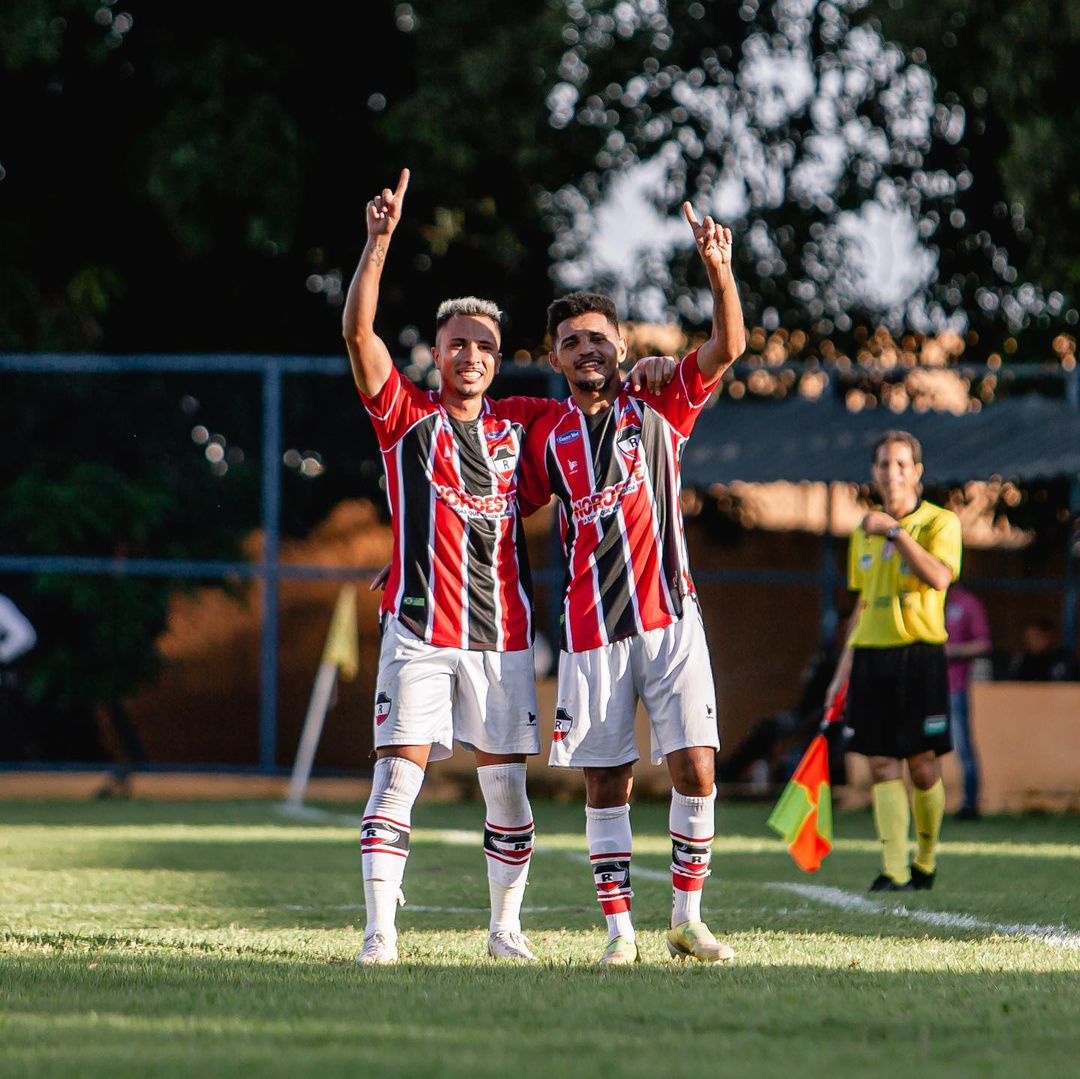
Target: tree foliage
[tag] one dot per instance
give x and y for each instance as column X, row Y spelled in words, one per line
column 810, row 131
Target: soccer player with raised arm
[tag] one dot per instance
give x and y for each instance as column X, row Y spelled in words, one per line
column 901, row 561
column 631, row 623
column 456, row 662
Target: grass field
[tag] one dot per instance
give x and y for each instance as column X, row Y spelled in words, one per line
column 150, row 938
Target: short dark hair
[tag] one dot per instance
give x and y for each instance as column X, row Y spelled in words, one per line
column 906, row 438
column 579, row 303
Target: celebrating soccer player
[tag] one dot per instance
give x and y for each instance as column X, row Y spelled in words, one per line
column 901, row 561
column 631, row 623
column 456, row 662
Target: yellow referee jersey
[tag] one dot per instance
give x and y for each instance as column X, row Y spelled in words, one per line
column 897, row 607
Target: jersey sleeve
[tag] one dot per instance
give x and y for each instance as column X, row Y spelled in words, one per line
column 534, row 484
column 946, row 541
column 529, row 410
column 395, row 408
column 680, row 402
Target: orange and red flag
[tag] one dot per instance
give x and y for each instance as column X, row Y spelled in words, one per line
column 803, row 815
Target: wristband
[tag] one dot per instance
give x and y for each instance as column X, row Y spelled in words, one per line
column 892, row 533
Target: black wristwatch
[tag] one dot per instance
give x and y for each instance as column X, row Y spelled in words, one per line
column 892, row 533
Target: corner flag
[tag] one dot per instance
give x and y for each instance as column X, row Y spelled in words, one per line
column 342, row 649
column 341, row 654
column 803, row 815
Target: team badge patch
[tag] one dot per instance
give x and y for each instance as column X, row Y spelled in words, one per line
column 502, row 449
column 382, row 707
column 564, row 723
column 628, row 439
column 504, row 460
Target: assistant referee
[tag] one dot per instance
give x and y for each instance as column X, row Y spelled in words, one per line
column 901, row 562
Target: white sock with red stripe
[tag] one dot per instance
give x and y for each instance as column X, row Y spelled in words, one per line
column 691, row 823
column 610, row 844
column 508, row 841
column 384, row 839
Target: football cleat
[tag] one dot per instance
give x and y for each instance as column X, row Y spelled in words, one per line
column 378, row 951
column 884, row 883
column 620, row 952
column 506, row 944
column 693, row 940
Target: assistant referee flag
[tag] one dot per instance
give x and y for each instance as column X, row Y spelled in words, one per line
column 803, row 815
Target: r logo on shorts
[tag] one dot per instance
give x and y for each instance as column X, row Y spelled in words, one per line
column 564, row 722
column 382, row 707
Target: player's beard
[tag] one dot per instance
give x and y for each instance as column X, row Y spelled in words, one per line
column 594, row 380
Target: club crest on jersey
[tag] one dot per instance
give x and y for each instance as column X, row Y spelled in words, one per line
column 502, row 449
column 564, row 723
column 382, row 707
column 504, row 460
column 628, row 439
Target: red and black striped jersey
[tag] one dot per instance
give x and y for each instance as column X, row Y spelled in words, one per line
column 459, row 576
column 617, row 477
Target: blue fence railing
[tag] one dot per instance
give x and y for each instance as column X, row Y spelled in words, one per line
column 269, row 571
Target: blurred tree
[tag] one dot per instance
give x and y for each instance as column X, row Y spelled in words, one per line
column 105, row 466
column 1008, row 67
column 804, row 126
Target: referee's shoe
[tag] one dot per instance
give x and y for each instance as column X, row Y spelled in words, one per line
column 921, row 881
column 885, row 883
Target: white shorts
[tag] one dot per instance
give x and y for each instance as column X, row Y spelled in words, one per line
column 431, row 695
column 668, row 669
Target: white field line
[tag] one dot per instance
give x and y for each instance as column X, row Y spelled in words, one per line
column 1057, row 936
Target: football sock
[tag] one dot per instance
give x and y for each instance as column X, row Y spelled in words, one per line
column 384, row 839
column 610, row 842
column 929, row 806
column 691, row 825
column 508, row 841
column 892, row 818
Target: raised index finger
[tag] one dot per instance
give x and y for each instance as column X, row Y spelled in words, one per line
column 402, row 184
column 688, row 210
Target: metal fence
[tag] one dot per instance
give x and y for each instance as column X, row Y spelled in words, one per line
column 270, row 572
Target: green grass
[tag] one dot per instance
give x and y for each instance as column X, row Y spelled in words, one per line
column 218, row 939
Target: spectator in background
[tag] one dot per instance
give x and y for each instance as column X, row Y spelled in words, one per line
column 17, row 637
column 969, row 640
column 1042, row 659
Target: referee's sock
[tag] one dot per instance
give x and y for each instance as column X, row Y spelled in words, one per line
column 892, row 818
column 929, row 806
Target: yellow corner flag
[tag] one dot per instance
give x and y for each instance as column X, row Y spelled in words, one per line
column 342, row 649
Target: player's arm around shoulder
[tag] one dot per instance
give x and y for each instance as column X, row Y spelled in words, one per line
column 368, row 354
column 533, row 481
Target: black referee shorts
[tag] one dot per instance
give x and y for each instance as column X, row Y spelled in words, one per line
column 898, row 701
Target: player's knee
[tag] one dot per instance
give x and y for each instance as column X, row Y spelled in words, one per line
column 925, row 771
column 607, row 788
column 693, row 771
